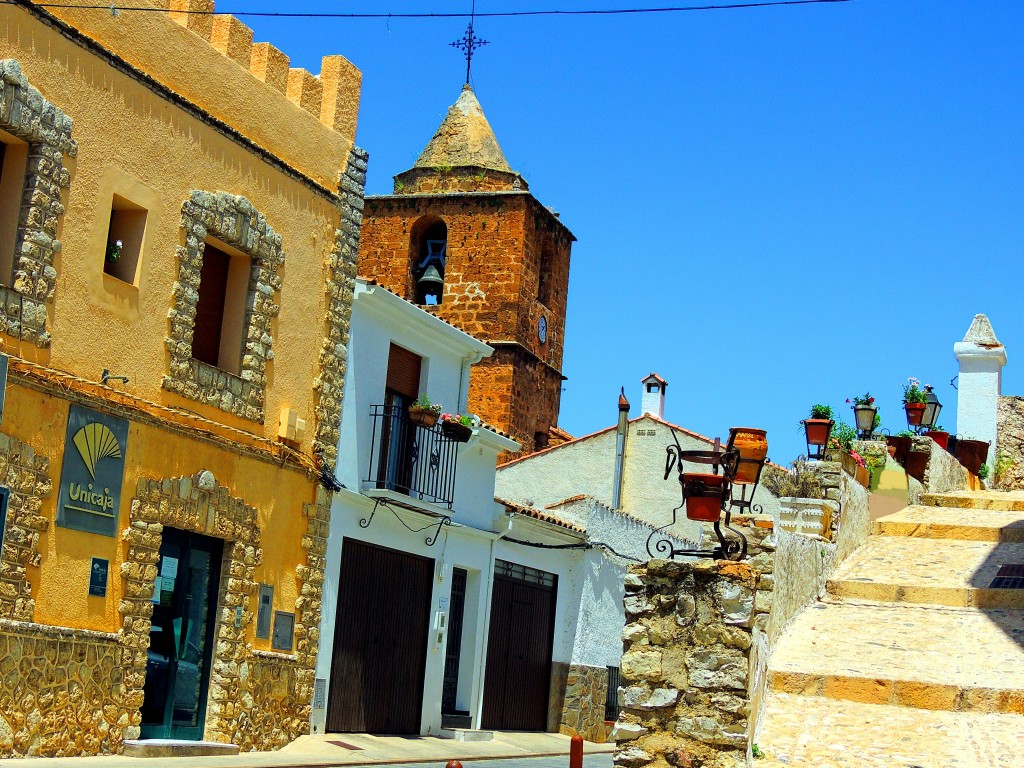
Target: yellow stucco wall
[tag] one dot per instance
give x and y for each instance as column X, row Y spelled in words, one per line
column 60, row 583
column 138, row 145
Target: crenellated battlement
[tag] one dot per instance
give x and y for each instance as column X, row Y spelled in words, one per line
column 247, row 85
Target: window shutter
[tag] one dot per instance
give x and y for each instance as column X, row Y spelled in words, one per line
column 404, row 371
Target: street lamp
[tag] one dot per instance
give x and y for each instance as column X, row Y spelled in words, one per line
column 932, row 406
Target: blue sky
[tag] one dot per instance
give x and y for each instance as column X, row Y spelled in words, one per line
column 775, row 207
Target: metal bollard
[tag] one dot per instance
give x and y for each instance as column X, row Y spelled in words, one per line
column 453, row 764
column 576, row 752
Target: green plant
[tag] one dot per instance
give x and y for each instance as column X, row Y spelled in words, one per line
column 114, row 251
column 756, row 752
column 820, row 411
column 913, row 392
column 983, row 471
column 443, row 168
column 399, row 186
column 843, row 436
column 1004, row 464
column 454, row 418
column 937, row 428
column 905, row 433
column 867, row 399
column 423, row 401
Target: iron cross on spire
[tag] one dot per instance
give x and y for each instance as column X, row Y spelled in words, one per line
column 469, row 42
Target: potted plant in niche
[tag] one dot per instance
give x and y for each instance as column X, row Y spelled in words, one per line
column 939, row 435
column 704, row 495
column 456, row 427
column 914, row 398
column 114, row 251
column 864, row 413
column 423, row 412
column 819, row 424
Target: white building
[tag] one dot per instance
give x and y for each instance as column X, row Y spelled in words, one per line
column 441, row 605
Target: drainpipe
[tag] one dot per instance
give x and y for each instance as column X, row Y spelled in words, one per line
column 620, row 448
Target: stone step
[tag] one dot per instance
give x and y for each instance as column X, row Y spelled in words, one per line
column 952, row 523
column 824, row 733
column 1004, row 501
column 911, row 655
column 176, row 748
column 465, row 734
column 937, row 571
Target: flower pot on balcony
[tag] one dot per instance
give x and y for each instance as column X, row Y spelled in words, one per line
column 915, row 413
column 753, row 447
column 453, row 430
column 817, row 430
column 864, row 415
column 899, row 447
column 916, row 464
column 941, row 438
column 972, row 454
column 703, row 495
column 423, row 417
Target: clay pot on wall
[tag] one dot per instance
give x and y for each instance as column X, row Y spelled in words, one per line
column 423, row 417
column 818, row 430
column 753, row 447
column 915, row 413
column 941, row 438
column 916, row 464
column 703, row 496
column 972, row 454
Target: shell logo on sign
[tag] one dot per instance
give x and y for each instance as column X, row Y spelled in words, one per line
column 95, row 442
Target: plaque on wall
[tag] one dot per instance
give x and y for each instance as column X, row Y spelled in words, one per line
column 92, row 472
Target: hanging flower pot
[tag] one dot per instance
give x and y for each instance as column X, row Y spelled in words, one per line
column 941, row 438
column 423, row 417
column 972, row 454
column 703, row 494
column 917, row 463
column 899, row 447
column 753, row 447
column 915, row 413
column 817, row 430
column 453, row 430
column 864, row 415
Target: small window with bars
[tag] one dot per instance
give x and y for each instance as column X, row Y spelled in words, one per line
column 523, row 573
column 611, row 702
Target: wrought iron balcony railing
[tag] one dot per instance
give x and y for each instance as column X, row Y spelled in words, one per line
column 407, row 458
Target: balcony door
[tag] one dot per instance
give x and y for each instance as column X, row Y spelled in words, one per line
column 398, row 436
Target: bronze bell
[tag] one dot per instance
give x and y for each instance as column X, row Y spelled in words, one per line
column 431, row 282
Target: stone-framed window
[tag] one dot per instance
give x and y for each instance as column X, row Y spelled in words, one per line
column 228, row 223
column 36, row 137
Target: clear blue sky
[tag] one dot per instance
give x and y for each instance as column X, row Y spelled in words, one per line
column 774, row 207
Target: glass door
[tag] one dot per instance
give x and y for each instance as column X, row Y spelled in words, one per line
column 181, row 636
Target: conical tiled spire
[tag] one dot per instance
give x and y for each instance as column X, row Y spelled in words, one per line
column 463, row 156
column 465, row 138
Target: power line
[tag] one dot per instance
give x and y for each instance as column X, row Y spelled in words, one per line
column 460, row 15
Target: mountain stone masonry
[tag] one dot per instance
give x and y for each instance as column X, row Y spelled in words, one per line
column 686, row 663
column 1008, row 463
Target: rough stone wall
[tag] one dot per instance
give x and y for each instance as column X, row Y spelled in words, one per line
column 341, row 274
column 586, row 689
column 492, row 275
column 47, row 131
column 27, row 475
column 232, row 219
column 1008, row 465
column 944, row 473
column 60, row 691
column 686, row 664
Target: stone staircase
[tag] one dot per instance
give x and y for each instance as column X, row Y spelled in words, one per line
column 913, row 660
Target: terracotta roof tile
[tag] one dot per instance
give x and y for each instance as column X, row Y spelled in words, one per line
column 536, row 514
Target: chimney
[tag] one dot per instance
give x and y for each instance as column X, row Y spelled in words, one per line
column 653, row 401
column 620, row 448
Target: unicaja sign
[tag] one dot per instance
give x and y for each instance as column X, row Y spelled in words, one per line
column 92, row 472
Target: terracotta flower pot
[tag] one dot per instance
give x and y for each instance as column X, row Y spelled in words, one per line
column 915, row 413
column 916, row 464
column 863, row 476
column 753, row 447
column 453, row 430
column 972, row 454
column 703, row 496
column 817, row 430
column 942, row 438
column 423, row 417
column 899, row 447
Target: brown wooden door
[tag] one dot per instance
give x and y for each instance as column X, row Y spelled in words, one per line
column 519, row 656
column 380, row 640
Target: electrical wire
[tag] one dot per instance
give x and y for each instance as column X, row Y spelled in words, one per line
column 411, row 15
column 585, row 545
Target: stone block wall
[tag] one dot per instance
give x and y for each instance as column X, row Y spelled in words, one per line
column 685, row 669
column 582, row 707
column 1008, row 464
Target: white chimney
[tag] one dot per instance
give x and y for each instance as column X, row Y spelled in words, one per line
column 981, row 357
column 653, row 401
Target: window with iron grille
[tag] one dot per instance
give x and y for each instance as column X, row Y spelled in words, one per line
column 611, row 702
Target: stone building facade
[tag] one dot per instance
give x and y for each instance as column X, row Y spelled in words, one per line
column 504, row 271
column 173, row 389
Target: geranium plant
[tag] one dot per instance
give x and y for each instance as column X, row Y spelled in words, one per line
column 454, row 418
column 866, row 399
column 913, row 392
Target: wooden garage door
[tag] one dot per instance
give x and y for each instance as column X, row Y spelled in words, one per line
column 380, row 640
column 519, row 653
